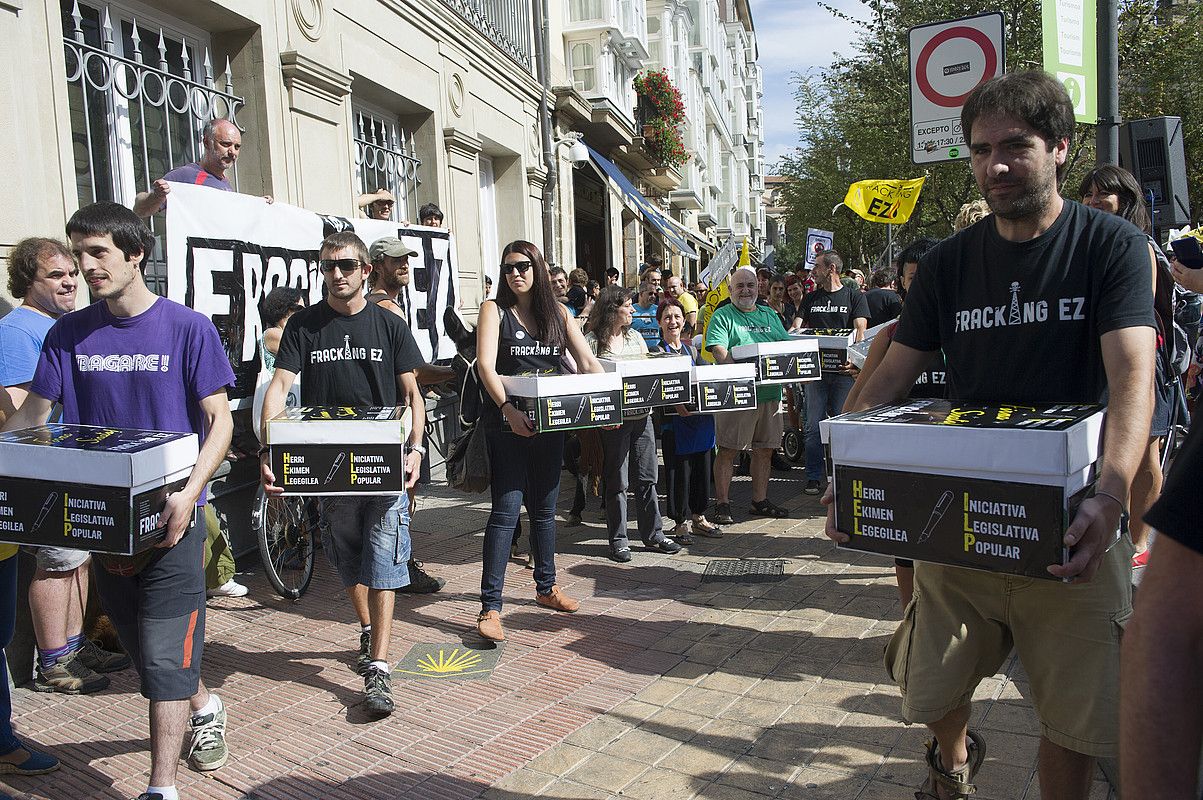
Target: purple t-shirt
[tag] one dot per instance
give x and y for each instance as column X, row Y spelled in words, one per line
column 149, row 371
column 193, row 173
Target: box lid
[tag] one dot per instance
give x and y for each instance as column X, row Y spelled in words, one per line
column 96, row 455
column 340, row 425
column 1017, row 439
column 744, row 352
column 653, row 364
column 532, row 385
column 705, row 373
column 828, row 337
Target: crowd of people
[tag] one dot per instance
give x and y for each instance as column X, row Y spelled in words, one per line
column 1107, row 283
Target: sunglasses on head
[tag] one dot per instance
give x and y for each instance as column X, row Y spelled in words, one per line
column 345, row 265
column 520, row 266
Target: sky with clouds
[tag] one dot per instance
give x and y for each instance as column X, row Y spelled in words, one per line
column 794, row 36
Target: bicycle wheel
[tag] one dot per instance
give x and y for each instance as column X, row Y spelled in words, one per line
column 791, row 445
column 286, row 543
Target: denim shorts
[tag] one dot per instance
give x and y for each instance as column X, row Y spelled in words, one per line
column 367, row 539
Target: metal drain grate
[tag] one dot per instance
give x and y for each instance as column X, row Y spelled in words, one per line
column 745, row 570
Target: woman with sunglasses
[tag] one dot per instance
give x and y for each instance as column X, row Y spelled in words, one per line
column 524, row 330
column 1114, row 190
column 611, row 336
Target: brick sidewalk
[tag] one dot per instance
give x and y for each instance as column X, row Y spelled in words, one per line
column 661, row 686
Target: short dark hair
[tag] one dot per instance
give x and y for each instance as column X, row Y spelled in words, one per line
column 832, row 259
column 337, row 241
column 612, row 272
column 665, row 305
column 557, row 271
column 883, row 277
column 915, row 251
column 278, row 303
column 128, row 232
column 1121, row 183
column 1034, row 96
column 430, row 210
column 24, row 259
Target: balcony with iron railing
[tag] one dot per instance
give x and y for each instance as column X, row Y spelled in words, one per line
column 505, row 23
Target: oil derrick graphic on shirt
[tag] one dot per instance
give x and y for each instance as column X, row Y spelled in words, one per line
column 1013, row 317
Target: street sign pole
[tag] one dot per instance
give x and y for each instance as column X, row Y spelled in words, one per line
column 1107, row 134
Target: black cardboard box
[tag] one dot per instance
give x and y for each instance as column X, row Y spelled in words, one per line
column 567, row 402
column 339, row 450
column 795, row 360
column 985, row 487
column 833, row 345
column 90, row 488
column 724, row 387
column 658, row 380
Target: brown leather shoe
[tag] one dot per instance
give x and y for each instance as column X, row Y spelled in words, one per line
column 488, row 625
column 557, row 600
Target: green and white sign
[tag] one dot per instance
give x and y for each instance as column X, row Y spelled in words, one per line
column 1069, row 52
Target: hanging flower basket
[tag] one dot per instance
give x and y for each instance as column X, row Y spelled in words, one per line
column 663, row 111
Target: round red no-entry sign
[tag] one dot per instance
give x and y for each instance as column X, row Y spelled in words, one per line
column 989, row 70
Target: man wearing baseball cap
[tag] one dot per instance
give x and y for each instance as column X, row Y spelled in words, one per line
column 377, row 205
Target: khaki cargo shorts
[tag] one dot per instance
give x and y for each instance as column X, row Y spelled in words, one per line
column 962, row 625
column 757, row 428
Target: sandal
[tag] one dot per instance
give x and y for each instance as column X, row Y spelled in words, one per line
column 766, row 508
column 703, row 527
column 958, row 785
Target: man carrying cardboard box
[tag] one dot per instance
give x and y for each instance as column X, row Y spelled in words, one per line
column 1037, row 302
column 94, row 362
column 350, row 352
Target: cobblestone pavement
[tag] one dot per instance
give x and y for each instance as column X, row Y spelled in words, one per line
column 661, row 686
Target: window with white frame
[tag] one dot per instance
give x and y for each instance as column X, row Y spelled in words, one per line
column 386, row 157
column 584, row 66
column 140, row 88
column 584, row 10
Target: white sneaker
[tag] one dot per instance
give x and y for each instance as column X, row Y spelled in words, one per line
column 230, row 588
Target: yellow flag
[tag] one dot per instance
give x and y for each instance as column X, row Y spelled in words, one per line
column 713, row 297
column 744, row 259
column 884, row 201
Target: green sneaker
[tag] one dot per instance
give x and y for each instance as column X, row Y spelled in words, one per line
column 69, row 675
column 208, row 749
column 378, row 692
column 365, row 652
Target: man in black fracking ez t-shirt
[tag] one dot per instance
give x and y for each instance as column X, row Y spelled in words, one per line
column 1043, row 300
column 831, row 305
column 350, row 352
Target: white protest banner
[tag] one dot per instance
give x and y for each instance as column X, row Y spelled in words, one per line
column 227, row 251
column 721, row 263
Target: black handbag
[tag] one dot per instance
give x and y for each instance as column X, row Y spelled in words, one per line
column 468, row 462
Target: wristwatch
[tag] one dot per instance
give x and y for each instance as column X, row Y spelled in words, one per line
column 418, row 448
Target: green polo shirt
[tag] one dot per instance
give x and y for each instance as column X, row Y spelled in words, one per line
column 729, row 327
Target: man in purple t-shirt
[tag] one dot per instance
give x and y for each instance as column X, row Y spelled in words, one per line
column 136, row 360
column 222, row 143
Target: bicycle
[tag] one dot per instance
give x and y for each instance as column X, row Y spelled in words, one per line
column 288, row 538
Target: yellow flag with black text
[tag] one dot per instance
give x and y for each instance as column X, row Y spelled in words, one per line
column 884, row 200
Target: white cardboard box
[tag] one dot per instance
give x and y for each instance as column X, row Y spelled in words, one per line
column 724, row 387
column 658, row 380
column 833, row 345
column 984, row 487
column 858, row 352
column 795, row 360
column 339, row 450
column 88, row 487
column 567, row 402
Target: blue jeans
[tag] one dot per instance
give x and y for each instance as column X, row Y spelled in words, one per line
column 824, row 398
column 8, row 622
column 366, row 539
column 523, row 469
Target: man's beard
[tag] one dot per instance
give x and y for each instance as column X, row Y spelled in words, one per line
column 1035, row 195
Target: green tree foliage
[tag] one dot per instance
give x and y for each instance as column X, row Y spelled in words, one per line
column 854, row 116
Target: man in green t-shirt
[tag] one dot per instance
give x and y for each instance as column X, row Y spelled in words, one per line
column 742, row 321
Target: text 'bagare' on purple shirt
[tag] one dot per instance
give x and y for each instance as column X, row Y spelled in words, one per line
column 148, row 371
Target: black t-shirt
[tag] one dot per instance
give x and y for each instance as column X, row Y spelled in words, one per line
column 1021, row 321
column 348, row 361
column 1179, row 511
column 825, row 309
column 884, row 305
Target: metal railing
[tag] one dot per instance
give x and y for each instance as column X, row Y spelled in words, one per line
column 383, row 161
column 506, row 23
column 134, row 117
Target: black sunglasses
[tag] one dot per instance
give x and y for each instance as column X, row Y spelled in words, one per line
column 520, row 266
column 346, row 265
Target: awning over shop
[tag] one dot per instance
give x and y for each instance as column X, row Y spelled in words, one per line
column 641, row 206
